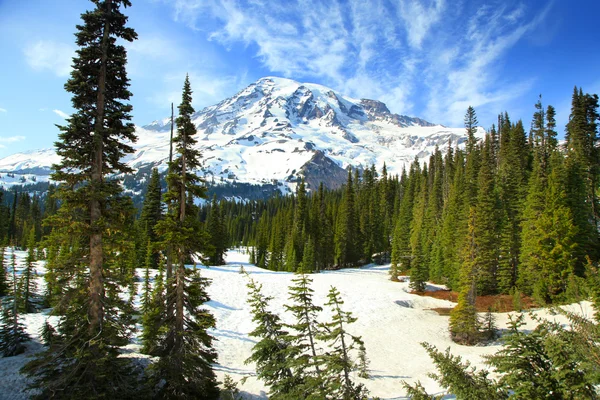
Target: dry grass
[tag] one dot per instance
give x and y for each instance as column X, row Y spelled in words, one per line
column 497, row 303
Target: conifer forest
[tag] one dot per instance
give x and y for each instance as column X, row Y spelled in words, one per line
column 513, row 212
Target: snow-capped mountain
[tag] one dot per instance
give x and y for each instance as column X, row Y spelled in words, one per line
column 273, row 132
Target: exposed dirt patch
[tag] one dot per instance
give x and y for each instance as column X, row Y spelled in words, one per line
column 497, row 303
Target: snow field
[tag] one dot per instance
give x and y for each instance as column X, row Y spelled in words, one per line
column 391, row 321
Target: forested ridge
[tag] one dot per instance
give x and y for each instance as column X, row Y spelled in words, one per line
column 516, row 207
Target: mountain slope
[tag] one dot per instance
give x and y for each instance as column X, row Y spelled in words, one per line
column 275, row 131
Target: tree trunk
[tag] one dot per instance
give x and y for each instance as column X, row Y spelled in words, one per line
column 170, row 246
column 179, row 290
column 96, row 308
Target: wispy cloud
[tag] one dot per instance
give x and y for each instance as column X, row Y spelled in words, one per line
column 431, row 57
column 61, row 114
column 49, row 55
column 11, row 139
column 419, row 18
column 207, row 88
column 3, row 110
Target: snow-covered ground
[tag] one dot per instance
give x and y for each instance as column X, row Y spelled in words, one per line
column 391, row 321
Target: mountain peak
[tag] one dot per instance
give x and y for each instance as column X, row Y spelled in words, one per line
column 277, row 130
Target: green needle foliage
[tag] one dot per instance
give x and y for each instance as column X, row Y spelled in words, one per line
column 83, row 362
column 186, row 355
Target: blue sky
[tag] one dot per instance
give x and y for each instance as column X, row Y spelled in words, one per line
column 428, row 58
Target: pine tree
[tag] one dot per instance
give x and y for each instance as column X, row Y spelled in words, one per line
column 154, row 311
column 419, row 270
column 460, row 379
column 472, row 156
column 454, row 224
column 548, row 362
column 486, row 226
column 29, row 301
column 4, row 287
column 85, row 364
column 303, row 355
column 308, row 257
column 582, row 164
column 338, row 362
column 346, row 230
column 151, row 214
column 147, row 290
column 184, row 369
column 12, row 331
column 512, row 192
column 464, row 325
column 217, row 234
column 550, row 249
column 271, row 351
column 401, row 251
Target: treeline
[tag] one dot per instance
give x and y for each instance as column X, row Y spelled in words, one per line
column 514, row 211
column 21, row 213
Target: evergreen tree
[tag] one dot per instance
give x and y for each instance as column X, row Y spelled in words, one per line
column 85, row 362
column 151, row 214
column 459, row 379
column 308, row 258
column 338, row 362
column 486, row 232
column 271, row 351
column 464, row 325
column 147, row 290
column 184, row 369
column 346, row 230
column 550, row 249
column 217, row 234
column 4, row 287
column 303, row 355
column 401, row 251
column 154, row 310
column 419, row 270
column 471, row 127
column 512, row 190
column 454, row 224
column 12, row 331
column 545, row 361
column 582, row 164
column 29, row 301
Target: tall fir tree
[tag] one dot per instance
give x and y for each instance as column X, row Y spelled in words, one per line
column 464, row 325
column 184, row 369
column 12, row 330
column 154, row 310
column 486, row 229
column 346, row 230
column 151, row 214
column 4, row 287
column 84, row 362
column 583, row 165
column 512, row 191
column 29, row 301
column 217, row 234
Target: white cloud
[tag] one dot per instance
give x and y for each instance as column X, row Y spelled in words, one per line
column 11, row 139
column 50, row 55
column 207, row 88
column 61, row 114
column 3, row 110
column 431, row 57
column 419, row 19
